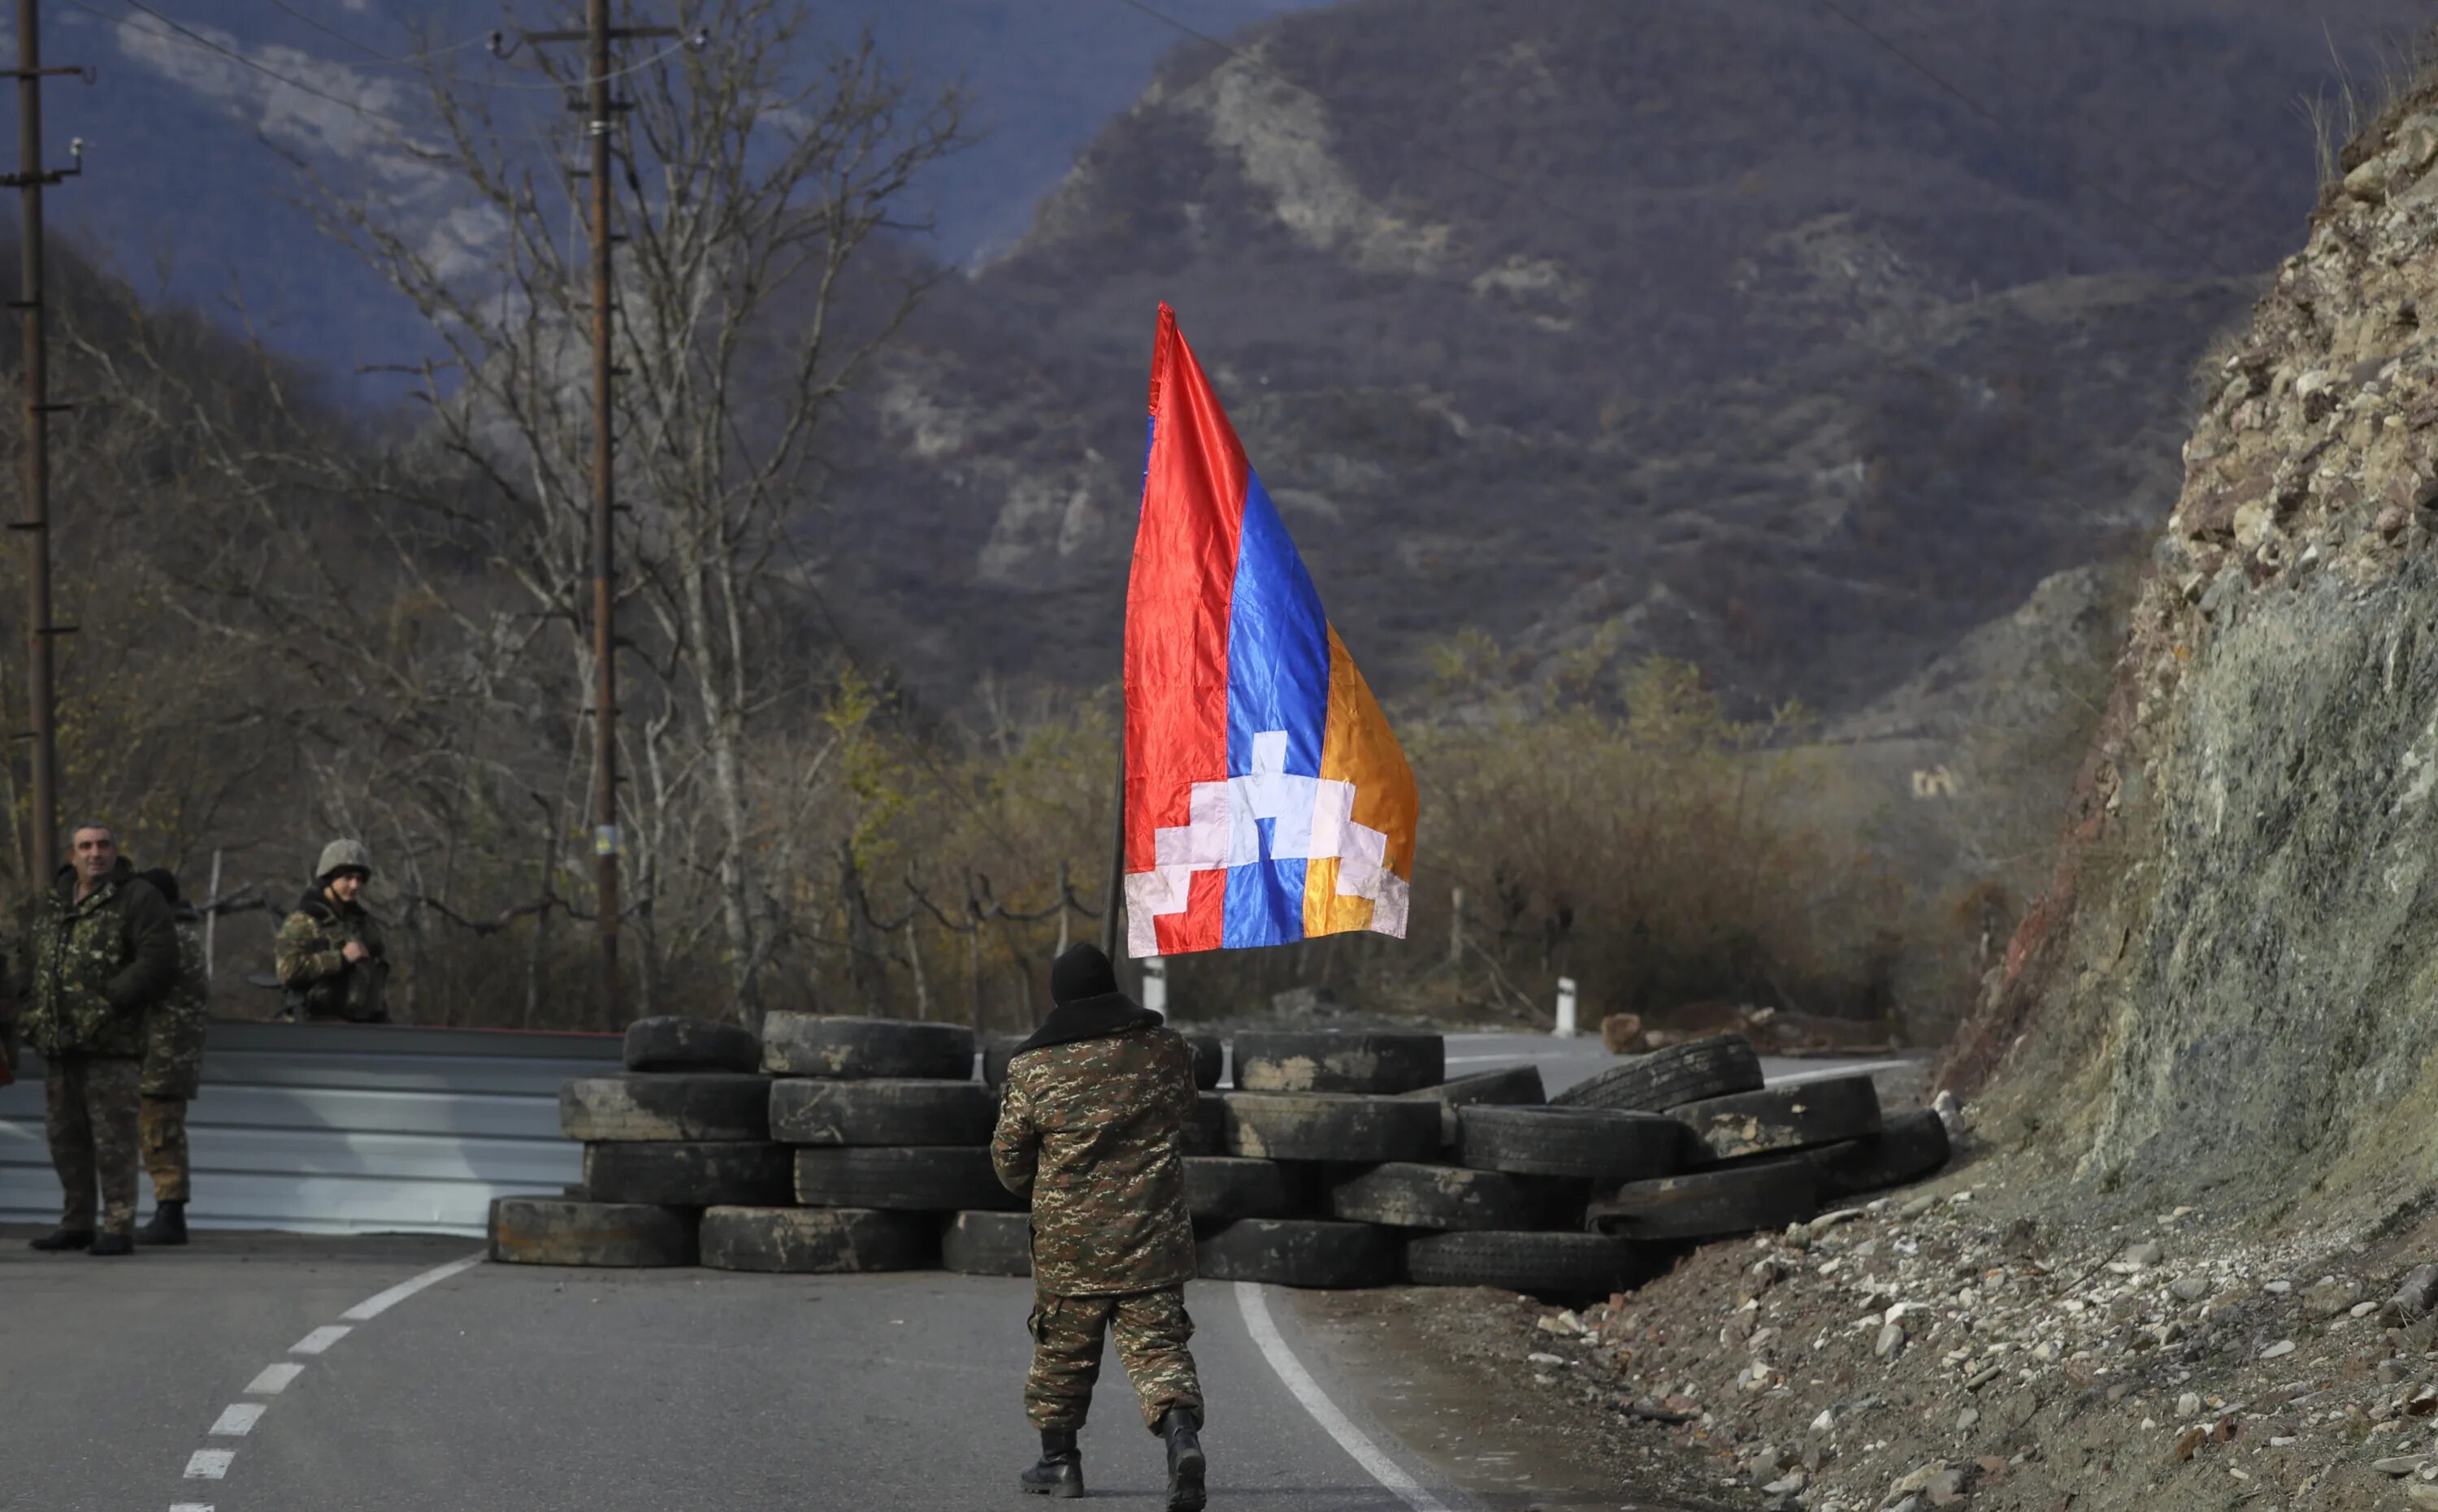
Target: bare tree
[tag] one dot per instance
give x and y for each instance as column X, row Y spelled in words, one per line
column 751, row 185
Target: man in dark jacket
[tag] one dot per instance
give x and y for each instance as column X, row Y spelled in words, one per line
column 1091, row 1129
column 101, row 952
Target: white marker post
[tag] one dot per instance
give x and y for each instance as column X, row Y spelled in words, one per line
column 1566, row 1029
column 1154, row 985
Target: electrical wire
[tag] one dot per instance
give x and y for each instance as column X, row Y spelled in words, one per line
column 402, row 60
column 2126, row 207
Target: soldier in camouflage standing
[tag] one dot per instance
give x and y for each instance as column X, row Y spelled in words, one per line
column 173, row 1072
column 101, row 952
column 330, row 953
column 1091, row 1129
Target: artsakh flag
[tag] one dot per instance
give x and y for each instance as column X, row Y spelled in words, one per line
column 1267, row 800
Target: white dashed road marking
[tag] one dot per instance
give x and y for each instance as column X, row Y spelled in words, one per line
column 274, row 1379
column 237, row 1418
column 209, row 1464
column 320, row 1339
column 1299, row 1382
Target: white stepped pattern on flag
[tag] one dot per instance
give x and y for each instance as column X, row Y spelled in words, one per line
column 1312, row 818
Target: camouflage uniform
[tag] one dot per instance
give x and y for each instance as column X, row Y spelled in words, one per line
column 1093, row 1131
column 173, row 1072
column 95, row 968
column 310, row 957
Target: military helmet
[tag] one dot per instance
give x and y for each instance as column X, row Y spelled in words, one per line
column 342, row 855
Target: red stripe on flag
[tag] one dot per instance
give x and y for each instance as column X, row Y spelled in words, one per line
column 1178, row 602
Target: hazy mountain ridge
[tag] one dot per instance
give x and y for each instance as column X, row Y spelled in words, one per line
column 1726, row 334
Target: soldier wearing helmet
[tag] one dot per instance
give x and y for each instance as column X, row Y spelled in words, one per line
column 330, row 955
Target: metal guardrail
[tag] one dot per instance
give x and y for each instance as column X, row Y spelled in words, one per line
column 348, row 1129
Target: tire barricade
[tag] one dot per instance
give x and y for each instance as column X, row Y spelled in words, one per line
column 1340, row 1159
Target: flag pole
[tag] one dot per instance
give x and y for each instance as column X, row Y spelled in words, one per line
column 1116, row 890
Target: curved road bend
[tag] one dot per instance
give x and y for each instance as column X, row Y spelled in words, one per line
column 545, row 1390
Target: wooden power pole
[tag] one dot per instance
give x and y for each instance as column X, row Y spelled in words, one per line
column 29, row 180
column 600, row 110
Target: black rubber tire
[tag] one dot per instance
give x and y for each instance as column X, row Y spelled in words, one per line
column 1338, row 1061
column 1233, row 1186
column 1908, row 1147
column 1515, row 1086
column 818, row 1111
column 1296, row 1252
column 694, row 1105
column 578, row 1231
column 919, row 1179
column 1549, row 1265
column 1328, row 1126
column 687, row 1174
column 670, row 1043
column 1596, row 1144
column 987, row 1244
column 1209, row 1060
column 1746, row 1198
column 817, row 1241
column 1402, row 1194
column 1781, row 1118
column 1714, row 1067
column 857, row 1049
column 1207, row 1134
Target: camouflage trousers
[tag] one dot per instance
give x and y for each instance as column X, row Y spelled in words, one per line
column 1151, row 1329
column 89, row 1107
column 160, row 1126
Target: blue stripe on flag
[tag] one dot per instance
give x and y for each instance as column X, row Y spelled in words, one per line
column 1278, row 681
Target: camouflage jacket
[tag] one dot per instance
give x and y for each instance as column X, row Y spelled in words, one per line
column 94, row 966
column 174, row 1048
column 1092, row 1129
column 310, row 957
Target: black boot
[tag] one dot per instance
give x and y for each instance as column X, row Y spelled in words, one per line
column 1182, row 1427
column 112, row 1244
column 63, row 1239
column 1061, row 1471
column 169, row 1225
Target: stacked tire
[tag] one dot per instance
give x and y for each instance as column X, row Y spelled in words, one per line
column 1761, row 1157
column 1310, row 1111
column 888, row 1134
column 685, row 1127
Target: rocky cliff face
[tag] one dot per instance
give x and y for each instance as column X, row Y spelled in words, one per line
column 2237, row 969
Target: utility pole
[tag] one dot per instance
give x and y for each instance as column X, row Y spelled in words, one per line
column 29, row 181
column 599, row 111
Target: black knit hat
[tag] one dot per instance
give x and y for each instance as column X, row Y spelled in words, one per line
column 1083, row 971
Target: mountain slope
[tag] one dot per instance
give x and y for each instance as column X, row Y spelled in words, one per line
column 1713, row 330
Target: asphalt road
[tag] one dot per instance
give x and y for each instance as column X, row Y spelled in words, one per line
column 542, row 1389
column 503, row 1387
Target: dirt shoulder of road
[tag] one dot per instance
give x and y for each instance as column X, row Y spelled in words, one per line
column 1994, row 1339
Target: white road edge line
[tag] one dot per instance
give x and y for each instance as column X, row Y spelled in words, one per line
column 274, row 1379
column 190, row 1506
column 1307, row 1391
column 209, row 1464
column 372, row 1307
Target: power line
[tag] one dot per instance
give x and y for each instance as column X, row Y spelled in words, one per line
column 403, row 60
column 2131, row 210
